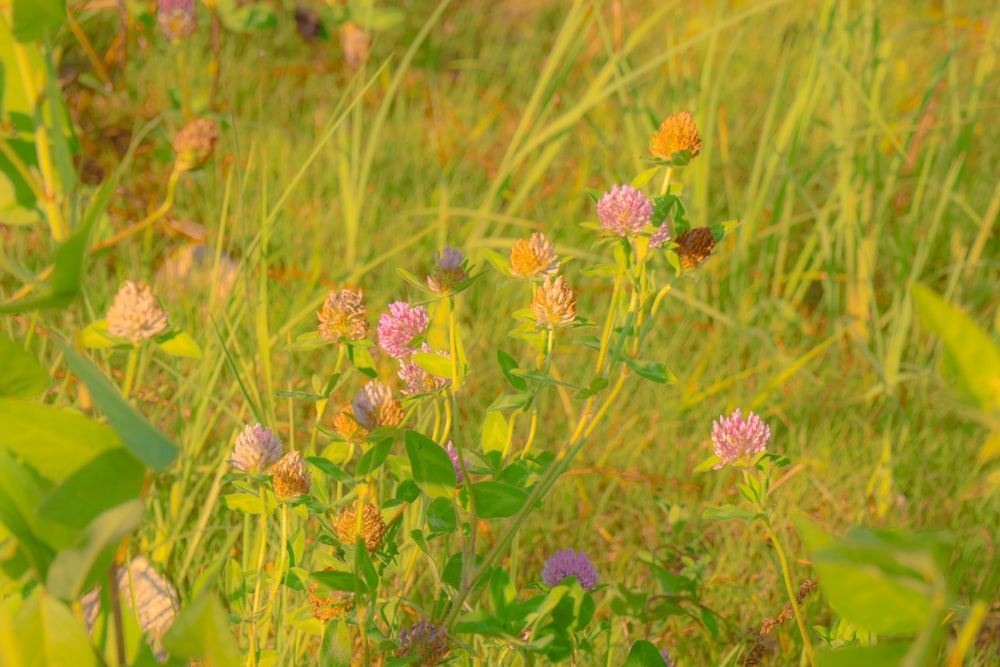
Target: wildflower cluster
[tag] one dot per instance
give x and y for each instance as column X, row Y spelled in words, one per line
column 258, row 450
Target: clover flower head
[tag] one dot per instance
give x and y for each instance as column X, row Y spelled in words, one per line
column 375, row 406
column 677, row 133
column 398, row 328
column 569, row 563
column 257, row 449
column 176, row 18
column 533, row 257
column 449, row 272
column 135, row 314
column 194, row 143
column 344, row 316
column 347, row 425
column 553, row 304
column 660, row 237
column 418, row 380
column 624, row 210
column 326, row 609
column 290, row 476
column 453, row 455
column 736, row 438
column 695, row 246
column 372, row 528
column 426, row 641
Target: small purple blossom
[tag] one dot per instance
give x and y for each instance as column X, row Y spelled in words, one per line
column 257, row 449
column 666, row 658
column 736, row 438
column 568, row 563
column 624, row 210
column 425, row 641
column 453, row 455
column 398, row 328
column 176, row 18
column 450, row 271
column 659, row 238
column 418, row 380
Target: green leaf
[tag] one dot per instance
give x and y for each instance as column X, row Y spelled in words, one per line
column 651, row 370
column 434, row 364
column 17, row 501
column 339, row 581
column 47, row 633
column 728, row 512
column 79, row 567
column 441, row 516
column 36, row 19
column 53, row 441
column 495, row 432
column 374, row 458
column 244, row 502
column 362, row 360
column 337, row 647
column 330, row 469
column 880, row 655
column 95, row 336
column 179, row 344
column 22, row 376
column 202, row 632
column 432, row 469
column 108, row 480
column 508, row 364
column 974, row 357
column 510, row 402
column 644, row 654
column 497, row 500
column 139, row 436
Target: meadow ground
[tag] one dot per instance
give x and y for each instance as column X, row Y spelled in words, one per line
column 854, row 142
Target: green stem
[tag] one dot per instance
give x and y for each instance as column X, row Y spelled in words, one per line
column 790, row 589
column 666, row 181
column 252, row 653
column 183, row 76
column 133, row 362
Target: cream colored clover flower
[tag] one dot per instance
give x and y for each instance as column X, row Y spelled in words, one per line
column 533, row 257
column 290, row 476
column 135, row 314
column 554, row 304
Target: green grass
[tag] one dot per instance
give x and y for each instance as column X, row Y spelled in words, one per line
column 852, row 140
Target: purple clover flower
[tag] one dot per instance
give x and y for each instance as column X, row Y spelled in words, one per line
column 568, row 563
column 257, row 449
column 735, row 438
column 425, row 641
column 624, row 210
column 453, row 455
column 398, row 328
column 660, row 237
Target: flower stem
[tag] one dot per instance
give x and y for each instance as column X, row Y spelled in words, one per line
column 790, row 589
column 252, row 653
column 133, row 362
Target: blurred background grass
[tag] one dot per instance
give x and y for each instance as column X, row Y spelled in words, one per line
column 852, row 139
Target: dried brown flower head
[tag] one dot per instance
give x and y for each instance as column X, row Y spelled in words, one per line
column 344, row 316
column 354, row 43
column 694, row 246
column 372, row 527
column 135, row 314
column 346, row 425
column 290, row 476
column 194, row 143
column 554, row 304
column 327, row 609
column 677, row 133
column 533, row 257
column 375, row 406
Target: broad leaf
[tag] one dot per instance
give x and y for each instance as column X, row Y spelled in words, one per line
column 47, row 633
column 79, row 567
column 139, row 436
column 495, row 432
column 432, row 469
column 108, row 480
column 22, row 376
column 202, row 632
column 497, row 500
